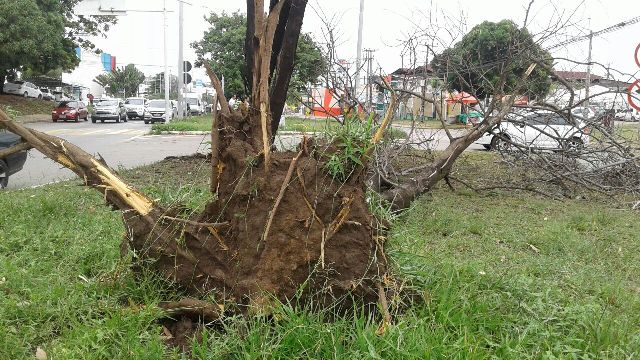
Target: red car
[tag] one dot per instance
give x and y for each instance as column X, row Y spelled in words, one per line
column 70, row 110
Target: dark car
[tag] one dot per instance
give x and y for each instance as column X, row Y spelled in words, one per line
column 70, row 110
column 13, row 163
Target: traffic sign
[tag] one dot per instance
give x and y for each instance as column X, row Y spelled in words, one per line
column 187, row 78
column 186, row 66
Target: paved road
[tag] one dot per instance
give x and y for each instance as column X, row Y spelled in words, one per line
column 121, row 145
column 126, row 145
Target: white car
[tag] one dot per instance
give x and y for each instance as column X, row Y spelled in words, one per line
column 627, row 115
column 536, row 130
column 136, row 108
column 22, row 88
column 158, row 111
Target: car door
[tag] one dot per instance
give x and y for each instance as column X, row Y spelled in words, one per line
column 536, row 131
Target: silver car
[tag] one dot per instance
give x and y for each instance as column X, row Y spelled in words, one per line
column 109, row 110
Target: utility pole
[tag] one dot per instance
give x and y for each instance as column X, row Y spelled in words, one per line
column 359, row 55
column 180, row 57
column 588, row 80
column 167, row 89
column 369, row 59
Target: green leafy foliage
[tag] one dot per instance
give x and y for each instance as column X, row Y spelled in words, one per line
column 352, row 141
column 224, row 44
column 122, row 81
column 41, row 35
column 492, row 59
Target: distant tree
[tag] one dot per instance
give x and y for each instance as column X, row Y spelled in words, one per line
column 493, row 53
column 156, row 87
column 121, row 81
column 224, row 42
column 42, row 35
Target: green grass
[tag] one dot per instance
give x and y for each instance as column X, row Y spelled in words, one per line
column 502, row 275
column 19, row 106
column 195, row 123
column 203, row 123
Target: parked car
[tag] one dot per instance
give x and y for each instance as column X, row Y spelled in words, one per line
column 158, row 112
column 136, row 108
column 13, row 163
column 585, row 113
column 47, row 94
column 70, row 110
column 536, row 130
column 109, row 109
column 627, row 115
column 22, row 88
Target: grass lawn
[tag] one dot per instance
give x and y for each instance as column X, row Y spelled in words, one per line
column 203, row 123
column 19, row 106
column 500, row 275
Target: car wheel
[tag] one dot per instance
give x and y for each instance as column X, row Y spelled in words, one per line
column 55, row 120
column 86, row 118
column 77, row 118
column 93, row 120
column 500, row 143
column 102, row 121
column 26, row 94
column 39, row 97
column 146, row 122
column 574, row 144
column 487, row 146
column 4, row 174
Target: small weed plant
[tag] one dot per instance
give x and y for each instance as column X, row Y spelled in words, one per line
column 352, row 142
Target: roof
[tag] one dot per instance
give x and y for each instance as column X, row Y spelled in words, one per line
column 574, row 75
column 46, row 81
column 420, row 70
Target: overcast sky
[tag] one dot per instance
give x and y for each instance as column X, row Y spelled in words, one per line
column 138, row 39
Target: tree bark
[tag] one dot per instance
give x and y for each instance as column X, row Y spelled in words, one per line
column 285, row 63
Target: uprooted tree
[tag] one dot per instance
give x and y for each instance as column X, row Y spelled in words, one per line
column 280, row 224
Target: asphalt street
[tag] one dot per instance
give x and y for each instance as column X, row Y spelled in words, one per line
column 127, row 145
column 122, row 145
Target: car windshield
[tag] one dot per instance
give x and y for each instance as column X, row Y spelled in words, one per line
column 71, row 104
column 18, row 82
column 134, row 102
column 107, row 103
column 192, row 101
column 156, row 104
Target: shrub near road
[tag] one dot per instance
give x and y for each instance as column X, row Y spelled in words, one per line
column 502, row 274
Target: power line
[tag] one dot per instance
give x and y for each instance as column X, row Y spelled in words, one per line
column 609, row 29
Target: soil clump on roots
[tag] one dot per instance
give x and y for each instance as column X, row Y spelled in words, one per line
column 287, row 231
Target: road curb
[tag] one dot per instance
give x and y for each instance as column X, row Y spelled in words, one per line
column 291, row 133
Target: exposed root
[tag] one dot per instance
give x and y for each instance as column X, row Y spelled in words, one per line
column 193, row 308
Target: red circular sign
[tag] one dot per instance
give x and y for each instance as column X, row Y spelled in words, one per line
column 637, row 55
column 631, row 91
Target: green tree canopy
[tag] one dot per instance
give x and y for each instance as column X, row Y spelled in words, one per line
column 41, row 35
column 121, row 81
column 492, row 59
column 224, row 43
